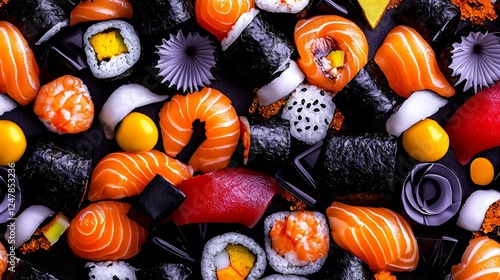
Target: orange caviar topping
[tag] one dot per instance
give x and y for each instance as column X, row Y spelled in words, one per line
column 384, row 275
column 492, row 218
column 337, row 121
column 297, row 204
column 477, row 11
column 267, row 111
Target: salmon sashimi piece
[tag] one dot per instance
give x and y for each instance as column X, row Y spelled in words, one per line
column 100, row 10
column 227, row 195
column 103, row 232
column 18, row 68
column 4, row 259
column 222, row 127
column 319, row 36
column 219, row 16
column 480, row 261
column 378, row 236
column 409, row 63
column 65, row 105
column 301, row 237
column 123, row 174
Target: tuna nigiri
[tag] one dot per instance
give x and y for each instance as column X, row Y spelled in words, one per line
column 18, row 67
column 481, row 260
column 378, row 236
column 123, row 174
column 100, row 10
column 332, row 50
column 409, row 63
column 103, row 232
column 474, row 126
column 222, row 127
column 218, row 16
column 228, row 195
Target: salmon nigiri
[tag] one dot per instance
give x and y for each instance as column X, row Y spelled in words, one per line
column 103, row 232
column 378, row 236
column 481, row 260
column 18, row 67
column 332, row 50
column 100, row 10
column 123, row 174
column 409, row 63
column 222, row 127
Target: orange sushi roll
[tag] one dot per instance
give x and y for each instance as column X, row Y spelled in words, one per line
column 219, row 16
column 409, row 63
column 100, row 10
column 123, row 174
column 103, row 232
column 64, row 105
column 332, row 50
column 480, row 261
column 222, row 127
column 378, row 236
column 18, row 68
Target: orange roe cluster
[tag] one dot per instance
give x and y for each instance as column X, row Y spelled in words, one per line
column 267, row 111
column 477, row 11
column 394, row 4
column 492, row 218
column 384, row 275
column 297, row 204
column 337, row 121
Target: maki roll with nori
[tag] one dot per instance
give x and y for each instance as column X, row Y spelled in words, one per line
column 435, row 20
column 38, row 20
column 358, row 169
column 367, row 101
column 57, row 177
column 256, row 51
column 342, row 265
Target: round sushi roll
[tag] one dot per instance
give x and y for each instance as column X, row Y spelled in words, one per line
column 232, row 256
column 112, row 47
column 287, row 6
column 296, row 242
column 310, row 111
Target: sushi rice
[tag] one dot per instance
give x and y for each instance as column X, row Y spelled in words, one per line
column 115, row 270
column 287, row 6
column 238, row 27
column 118, row 64
column 219, row 243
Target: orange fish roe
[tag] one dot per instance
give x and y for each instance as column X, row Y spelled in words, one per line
column 384, row 275
column 394, row 4
column 477, row 11
column 297, row 204
column 267, row 111
column 337, row 121
column 491, row 218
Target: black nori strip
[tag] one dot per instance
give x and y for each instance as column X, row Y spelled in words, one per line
column 435, row 20
column 358, row 169
column 57, row 178
column 342, row 265
column 26, row 271
column 259, row 51
column 342, row 7
column 368, row 100
column 33, row 17
column 270, row 143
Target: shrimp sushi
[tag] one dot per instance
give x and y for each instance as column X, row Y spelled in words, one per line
column 103, row 232
column 123, row 174
column 296, row 242
column 222, row 127
column 218, row 17
column 378, row 236
column 65, row 105
column 18, row 68
column 332, row 50
column 100, row 10
column 480, row 260
column 409, row 63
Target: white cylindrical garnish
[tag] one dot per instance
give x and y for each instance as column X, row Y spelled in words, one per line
column 282, row 85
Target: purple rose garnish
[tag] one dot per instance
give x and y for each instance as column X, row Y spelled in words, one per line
column 431, row 194
column 10, row 195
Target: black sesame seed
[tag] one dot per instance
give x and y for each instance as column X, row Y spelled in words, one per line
column 303, row 101
column 295, row 122
column 326, row 121
column 316, row 110
column 295, row 102
column 290, row 107
column 322, row 105
column 308, row 105
column 300, row 109
column 315, row 128
column 315, row 102
column 303, row 89
column 307, row 119
column 300, row 118
column 299, row 129
column 322, row 93
column 307, row 127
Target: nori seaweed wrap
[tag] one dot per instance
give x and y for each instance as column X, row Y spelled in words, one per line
column 57, row 177
column 270, row 143
column 260, row 53
column 21, row 269
column 368, row 100
column 38, row 20
column 435, row 20
column 342, row 265
column 358, row 169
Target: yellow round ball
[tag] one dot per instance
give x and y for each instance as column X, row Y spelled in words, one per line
column 482, row 171
column 137, row 133
column 12, row 142
column 426, row 141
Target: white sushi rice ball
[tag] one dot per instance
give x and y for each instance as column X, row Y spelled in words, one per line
column 215, row 246
column 283, row 277
column 118, row 64
column 310, row 111
column 286, row 6
column 286, row 264
column 238, row 27
column 115, row 270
